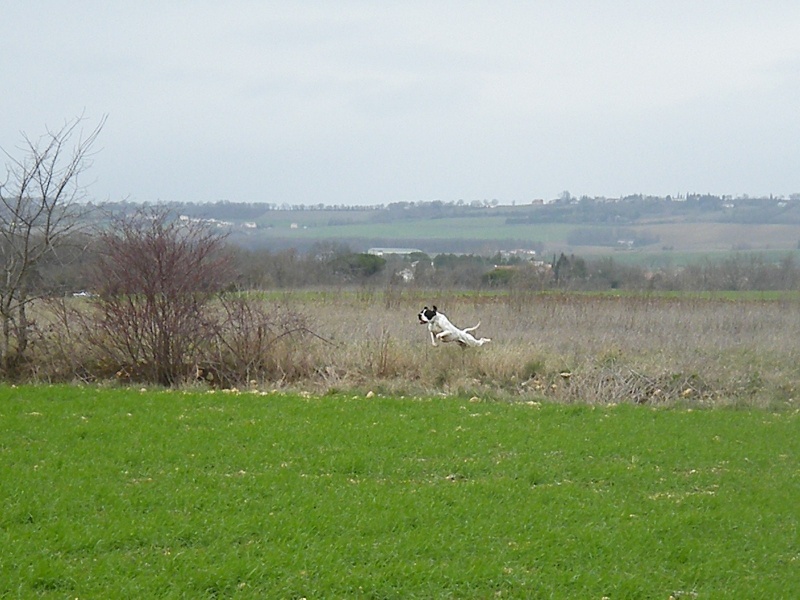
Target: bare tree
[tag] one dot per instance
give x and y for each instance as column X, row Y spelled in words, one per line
column 40, row 202
column 154, row 277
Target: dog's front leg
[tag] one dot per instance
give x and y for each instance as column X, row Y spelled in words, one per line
column 443, row 335
column 433, row 339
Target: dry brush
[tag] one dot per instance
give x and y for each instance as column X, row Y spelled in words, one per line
column 567, row 348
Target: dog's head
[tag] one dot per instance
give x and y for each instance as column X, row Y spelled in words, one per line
column 426, row 315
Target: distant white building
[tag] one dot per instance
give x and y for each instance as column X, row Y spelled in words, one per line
column 523, row 253
column 397, row 251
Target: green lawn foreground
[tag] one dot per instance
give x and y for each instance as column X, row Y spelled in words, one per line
column 134, row 494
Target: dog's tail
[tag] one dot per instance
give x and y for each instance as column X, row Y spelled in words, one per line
column 469, row 329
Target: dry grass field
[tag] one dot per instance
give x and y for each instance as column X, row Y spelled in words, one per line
column 724, row 350
column 569, row 348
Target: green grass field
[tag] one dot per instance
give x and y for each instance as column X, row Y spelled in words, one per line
column 140, row 494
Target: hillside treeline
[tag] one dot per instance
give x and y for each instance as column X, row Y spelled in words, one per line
column 690, row 207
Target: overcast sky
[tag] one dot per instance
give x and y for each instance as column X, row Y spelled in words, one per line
column 365, row 102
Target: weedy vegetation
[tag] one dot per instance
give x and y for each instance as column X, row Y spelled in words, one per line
column 699, row 350
column 205, row 494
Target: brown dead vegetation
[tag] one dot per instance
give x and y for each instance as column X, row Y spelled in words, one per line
column 562, row 347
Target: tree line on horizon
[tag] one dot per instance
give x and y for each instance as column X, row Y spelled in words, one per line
column 566, row 208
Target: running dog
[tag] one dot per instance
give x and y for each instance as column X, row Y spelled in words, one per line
column 441, row 329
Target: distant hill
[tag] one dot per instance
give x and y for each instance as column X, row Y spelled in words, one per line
column 633, row 224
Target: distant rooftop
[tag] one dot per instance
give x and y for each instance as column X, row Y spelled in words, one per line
column 382, row 251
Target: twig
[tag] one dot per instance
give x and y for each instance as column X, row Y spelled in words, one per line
column 304, row 330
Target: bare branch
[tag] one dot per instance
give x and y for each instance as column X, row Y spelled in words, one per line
column 155, row 276
column 38, row 210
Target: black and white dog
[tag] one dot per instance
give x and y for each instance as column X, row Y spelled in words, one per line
column 443, row 330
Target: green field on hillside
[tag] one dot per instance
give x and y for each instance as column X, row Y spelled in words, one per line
column 149, row 494
column 476, row 228
column 671, row 242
